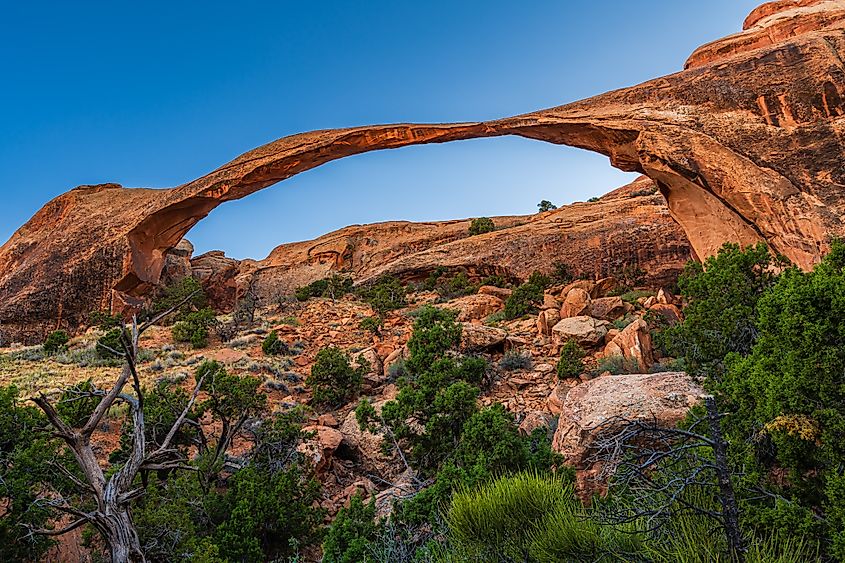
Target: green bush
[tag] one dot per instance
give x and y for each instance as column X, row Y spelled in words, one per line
column 350, row 534
column 513, row 360
column 333, row 380
column 523, row 300
column 616, row 365
column 562, row 273
column 194, row 327
column 110, row 345
column 721, row 317
column 571, row 362
column 371, row 324
column 530, row 517
column 55, row 341
column 105, row 320
column 481, row 225
column 495, row 280
column 333, row 287
column 546, row 205
column 274, row 346
column 788, row 393
column 25, row 457
column 176, row 293
column 385, row 295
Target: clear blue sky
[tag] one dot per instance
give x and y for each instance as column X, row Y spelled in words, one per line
column 154, row 94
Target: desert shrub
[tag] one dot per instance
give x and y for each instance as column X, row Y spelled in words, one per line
column 620, row 324
column 25, row 456
column 523, row 300
column 616, row 365
column 721, row 317
column 571, row 362
column 176, row 293
column 55, row 341
column 350, row 534
column 495, row 280
column 562, row 273
column 110, row 345
column 333, row 379
column 788, row 393
column 435, row 333
column 313, row 289
column 455, row 286
column 333, row 287
column 546, row 205
column 194, row 327
column 397, row 369
column 274, row 346
column 385, row 295
column 514, row 360
column 593, row 199
column 481, row 225
column 530, row 517
column 371, row 324
column 105, row 320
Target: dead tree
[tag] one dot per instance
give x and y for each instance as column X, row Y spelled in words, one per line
column 111, row 497
column 662, row 469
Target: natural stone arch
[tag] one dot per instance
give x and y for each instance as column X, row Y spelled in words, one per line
column 746, row 144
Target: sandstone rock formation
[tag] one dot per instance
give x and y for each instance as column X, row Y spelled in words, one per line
column 745, row 144
column 663, row 398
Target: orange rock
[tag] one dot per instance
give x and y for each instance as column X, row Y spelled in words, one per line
column 576, row 303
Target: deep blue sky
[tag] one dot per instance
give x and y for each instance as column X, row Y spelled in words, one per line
column 155, row 93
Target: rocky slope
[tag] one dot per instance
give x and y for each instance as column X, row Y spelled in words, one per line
column 629, row 227
column 745, row 144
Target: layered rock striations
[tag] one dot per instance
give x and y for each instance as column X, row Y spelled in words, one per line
column 745, row 144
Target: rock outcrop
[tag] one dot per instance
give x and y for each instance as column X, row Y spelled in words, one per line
column 660, row 398
column 745, row 144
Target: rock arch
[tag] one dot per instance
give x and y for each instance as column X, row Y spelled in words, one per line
column 745, row 144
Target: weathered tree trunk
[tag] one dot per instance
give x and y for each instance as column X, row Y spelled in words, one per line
column 120, row 536
column 727, row 497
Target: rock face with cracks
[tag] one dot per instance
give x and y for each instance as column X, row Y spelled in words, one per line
column 745, row 144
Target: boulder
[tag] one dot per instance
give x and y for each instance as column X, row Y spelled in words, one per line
column 664, row 398
column 666, row 298
column 366, row 446
column 634, row 344
column 546, row 320
column 584, row 330
column 603, row 287
column 669, row 314
column 322, row 446
column 607, row 308
column 550, row 302
column 576, row 303
column 501, row 292
column 477, row 338
column 474, row 307
column 536, row 419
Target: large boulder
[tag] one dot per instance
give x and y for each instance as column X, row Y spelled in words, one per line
column 584, row 330
column 477, row 338
column 474, row 307
column 662, row 398
column 546, row 319
column 321, row 447
column 576, row 303
column 607, row 308
column 633, row 344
